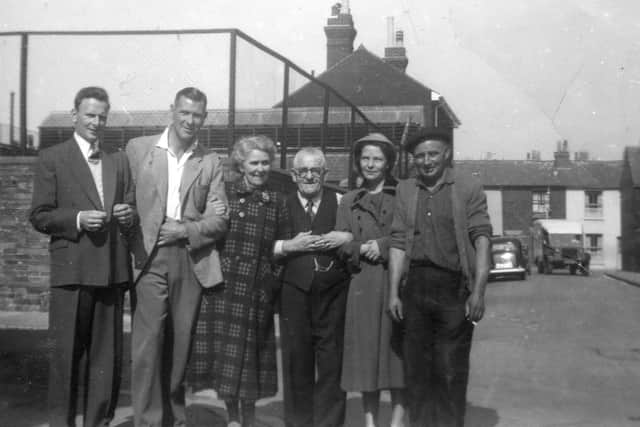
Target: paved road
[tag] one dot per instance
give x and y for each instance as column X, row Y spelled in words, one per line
column 554, row 350
column 558, row 350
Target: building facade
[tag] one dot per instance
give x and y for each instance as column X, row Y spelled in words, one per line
column 630, row 207
column 519, row 192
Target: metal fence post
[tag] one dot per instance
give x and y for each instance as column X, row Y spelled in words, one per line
column 231, row 123
column 24, row 58
column 285, row 118
column 325, row 121
column 352, row 123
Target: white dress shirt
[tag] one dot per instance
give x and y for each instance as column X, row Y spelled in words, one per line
column 95, row 168
column 175, row 168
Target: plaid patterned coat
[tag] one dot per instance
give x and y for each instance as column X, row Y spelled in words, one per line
column 234, row 349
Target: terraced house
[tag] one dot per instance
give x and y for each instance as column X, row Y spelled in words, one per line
column 587, row 191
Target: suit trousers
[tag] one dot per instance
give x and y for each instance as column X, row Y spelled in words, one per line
column 168, row 299
column 437, row 345
column 85, row 328
column 312, row 332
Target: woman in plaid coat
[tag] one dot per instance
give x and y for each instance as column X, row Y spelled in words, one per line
column 234, row 349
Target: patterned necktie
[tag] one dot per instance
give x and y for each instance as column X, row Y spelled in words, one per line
column 94, row 153
column 309, row 210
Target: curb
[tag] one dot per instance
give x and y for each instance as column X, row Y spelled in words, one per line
column 621, row 278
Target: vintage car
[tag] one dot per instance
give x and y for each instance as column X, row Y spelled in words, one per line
column 558, row 244
column 508, row 258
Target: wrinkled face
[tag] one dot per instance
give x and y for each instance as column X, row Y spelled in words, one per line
column 90, row 118
column 309, row 175
column 373, row 163
column 187, row 117
column 255, row 168
column 431, row 158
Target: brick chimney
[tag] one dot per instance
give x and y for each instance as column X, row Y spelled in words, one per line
column 395, row 54
column 561, row 158
column 340, row 33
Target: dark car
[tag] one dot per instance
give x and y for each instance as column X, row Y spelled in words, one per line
column 508, row 258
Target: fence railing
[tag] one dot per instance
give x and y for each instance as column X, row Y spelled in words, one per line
column 290, row 71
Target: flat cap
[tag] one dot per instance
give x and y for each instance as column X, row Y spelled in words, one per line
column 428, row 134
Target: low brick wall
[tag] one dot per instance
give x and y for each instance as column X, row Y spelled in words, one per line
column 24, row 257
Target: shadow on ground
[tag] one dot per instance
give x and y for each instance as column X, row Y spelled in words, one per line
column 23, row 392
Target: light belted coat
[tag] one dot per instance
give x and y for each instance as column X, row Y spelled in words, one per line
column 202, row 183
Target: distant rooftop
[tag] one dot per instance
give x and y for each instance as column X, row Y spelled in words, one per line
column 632, row 155
column 596, row 174
column 252, row 117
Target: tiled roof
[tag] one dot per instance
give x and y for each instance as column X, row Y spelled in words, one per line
column 632, row 156
column 523, row 173
column 365, row 79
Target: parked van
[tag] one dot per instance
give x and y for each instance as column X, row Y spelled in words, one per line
column 558, row 243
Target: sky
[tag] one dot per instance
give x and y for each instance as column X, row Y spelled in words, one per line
column 519, row 74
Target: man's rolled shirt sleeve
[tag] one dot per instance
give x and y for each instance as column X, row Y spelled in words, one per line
column 399, row 226
column 477, row 214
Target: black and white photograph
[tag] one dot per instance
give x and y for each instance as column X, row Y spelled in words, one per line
column 341, row 213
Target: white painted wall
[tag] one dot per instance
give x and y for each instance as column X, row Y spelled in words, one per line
column 494, row 206
column 608, row 225
column 575, row 205
column 612, row 227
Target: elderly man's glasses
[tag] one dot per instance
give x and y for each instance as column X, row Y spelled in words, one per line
column 306, row 171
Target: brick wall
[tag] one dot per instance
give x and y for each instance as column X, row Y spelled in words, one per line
column 516, row 208
column 24, row 258
column 558, row 203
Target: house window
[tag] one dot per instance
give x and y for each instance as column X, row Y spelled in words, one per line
column 593, row 245
column 593, row 204
column 540, row 203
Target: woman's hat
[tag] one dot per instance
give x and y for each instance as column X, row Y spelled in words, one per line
column 375, row 138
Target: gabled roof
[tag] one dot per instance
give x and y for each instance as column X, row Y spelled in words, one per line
column 632, row 157
column 592, row 174
column 365, row 79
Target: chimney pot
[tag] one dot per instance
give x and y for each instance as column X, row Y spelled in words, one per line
column 340, row 33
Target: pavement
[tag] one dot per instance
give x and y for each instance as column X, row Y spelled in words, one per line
column 629, row 277
column 552, row 351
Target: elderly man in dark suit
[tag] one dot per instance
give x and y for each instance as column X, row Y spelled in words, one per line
column 82, row 198
column 181, row 200
column 313, row 300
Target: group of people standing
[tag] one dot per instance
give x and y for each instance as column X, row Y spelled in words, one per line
column 378, row 289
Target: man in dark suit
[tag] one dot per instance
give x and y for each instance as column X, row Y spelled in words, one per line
column 313, row 300
column 82, row 198
column 179, row 192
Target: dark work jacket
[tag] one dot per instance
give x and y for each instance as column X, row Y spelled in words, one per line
column 299, row 269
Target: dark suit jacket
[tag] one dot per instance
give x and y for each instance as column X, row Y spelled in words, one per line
column 202, row 183
column 63, row 186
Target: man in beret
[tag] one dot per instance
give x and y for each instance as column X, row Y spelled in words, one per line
column 440, row 245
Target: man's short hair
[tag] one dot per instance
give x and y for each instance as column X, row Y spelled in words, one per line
column 192, row 93
column 428, row 134
column 91, row 92
column 309, row 151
